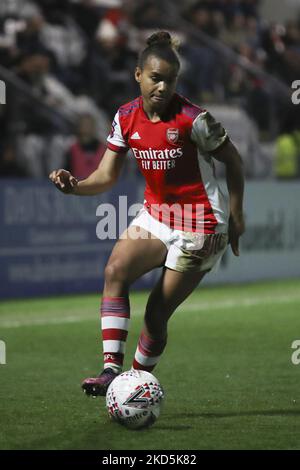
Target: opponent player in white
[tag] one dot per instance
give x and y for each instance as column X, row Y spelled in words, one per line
column 174, row 143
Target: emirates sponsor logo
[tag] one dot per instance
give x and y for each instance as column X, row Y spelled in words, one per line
column 151, row 154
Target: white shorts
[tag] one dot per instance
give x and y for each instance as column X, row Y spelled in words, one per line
column 187, row 251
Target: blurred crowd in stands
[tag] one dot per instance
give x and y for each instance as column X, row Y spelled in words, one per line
column 69, row 65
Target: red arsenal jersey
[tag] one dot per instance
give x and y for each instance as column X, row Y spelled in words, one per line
column 174, row 155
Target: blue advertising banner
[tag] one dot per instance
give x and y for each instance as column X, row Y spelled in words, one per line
column 48, row 240
column 53, row 244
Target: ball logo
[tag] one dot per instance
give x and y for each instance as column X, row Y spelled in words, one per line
column 139, row 398
column 172, row 135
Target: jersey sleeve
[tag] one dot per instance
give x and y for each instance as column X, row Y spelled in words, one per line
column 207, row 133
column 115, row 140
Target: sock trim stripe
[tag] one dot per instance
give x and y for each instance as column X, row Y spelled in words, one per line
column 156, row 349
column 113, row 365
column 146, row 360
column 113, row 346
column 146, row 341
column 114, row 334
column 115, row 305
column 151, row 347
column 114, row 319
column 115, row 299
column 119, row 323
column 110, row 313
column 138, row 366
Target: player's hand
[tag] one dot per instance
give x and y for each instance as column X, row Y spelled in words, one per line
column 236, row 229
column 64, row 181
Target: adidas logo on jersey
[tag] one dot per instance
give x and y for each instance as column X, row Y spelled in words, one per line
column 135, row 136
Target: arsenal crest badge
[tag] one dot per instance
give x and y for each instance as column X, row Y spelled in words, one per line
column 173, row 135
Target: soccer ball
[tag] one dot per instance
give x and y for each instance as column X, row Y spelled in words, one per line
column 134, row 399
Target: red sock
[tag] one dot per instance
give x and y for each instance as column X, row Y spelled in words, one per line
column 148, row 352
column 115, row 315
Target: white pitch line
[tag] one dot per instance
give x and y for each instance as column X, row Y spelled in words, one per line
column 190, row 307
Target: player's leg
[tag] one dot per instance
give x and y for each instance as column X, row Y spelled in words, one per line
column 185, row 268
column 131, row 258
column 135, row 253
column 171, row 290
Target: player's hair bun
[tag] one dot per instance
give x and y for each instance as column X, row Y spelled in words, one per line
column 161, row 38
column 160, row 44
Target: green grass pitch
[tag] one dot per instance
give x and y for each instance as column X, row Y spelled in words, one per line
column 227, row 372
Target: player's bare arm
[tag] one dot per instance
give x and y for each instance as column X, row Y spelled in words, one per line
column 99, row 181
column 229, row 155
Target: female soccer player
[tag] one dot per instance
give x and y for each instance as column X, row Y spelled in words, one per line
column 185, row 223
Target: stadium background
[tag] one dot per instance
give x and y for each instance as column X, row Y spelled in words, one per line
column 67, row 66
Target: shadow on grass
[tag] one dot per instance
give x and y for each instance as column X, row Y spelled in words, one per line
column 239, row 414
column 103, row 436
column 175, row 428
column 98, row 437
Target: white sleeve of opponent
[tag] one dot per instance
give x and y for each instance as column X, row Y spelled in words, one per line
column 115, row 140
column 207, row 133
